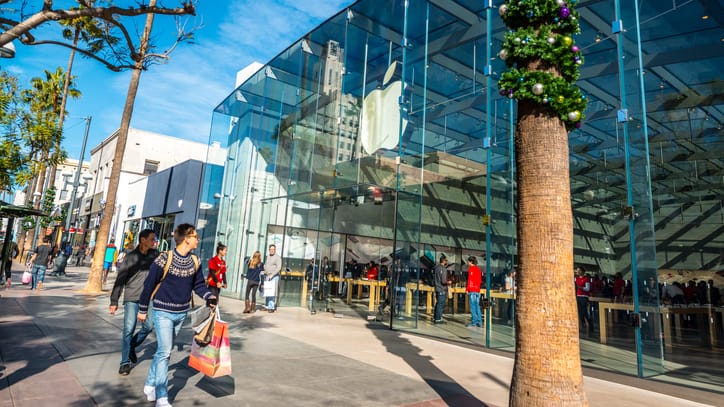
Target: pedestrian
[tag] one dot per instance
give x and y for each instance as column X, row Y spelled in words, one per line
column 272, row 267
column 441, row 283
column 475, row 278
column 41, row 256
column 109, row 259
column 168, row 290
column 132, row 273
column 13, row 251
column 253, row 275
column 217, row 270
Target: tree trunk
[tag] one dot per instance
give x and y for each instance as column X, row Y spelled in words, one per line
column 94, row 283
column 547, row 367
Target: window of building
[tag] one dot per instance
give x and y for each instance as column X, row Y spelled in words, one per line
column 150, row 167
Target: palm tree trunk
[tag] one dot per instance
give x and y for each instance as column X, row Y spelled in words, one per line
column 94, row 283
column 547, row 362
column 63, row 101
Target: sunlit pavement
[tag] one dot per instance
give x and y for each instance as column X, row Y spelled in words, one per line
column 59, row 347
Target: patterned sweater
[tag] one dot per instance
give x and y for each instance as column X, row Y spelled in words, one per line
column 174, row 293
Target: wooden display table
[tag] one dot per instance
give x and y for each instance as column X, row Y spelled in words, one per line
column 666, row 315
column 374, row 286
column 430, row 290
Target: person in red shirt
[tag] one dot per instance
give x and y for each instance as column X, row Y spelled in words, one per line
column 216, row 279
column 372, row 271
column 583, row 291
column 618, row 287
column 475, row 278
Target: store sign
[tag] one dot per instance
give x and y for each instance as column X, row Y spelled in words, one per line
column 131, row 210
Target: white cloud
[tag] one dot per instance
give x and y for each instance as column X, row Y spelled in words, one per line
column 178, row 98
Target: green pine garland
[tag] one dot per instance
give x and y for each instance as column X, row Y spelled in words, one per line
column 541, row 31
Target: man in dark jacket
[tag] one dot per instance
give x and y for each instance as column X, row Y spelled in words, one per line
column 132, row 272
column 440, row 277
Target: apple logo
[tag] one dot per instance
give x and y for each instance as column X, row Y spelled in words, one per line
column 380, row 118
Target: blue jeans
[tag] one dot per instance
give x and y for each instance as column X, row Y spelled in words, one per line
column 129, row 340
column 167, row 326
column 38, row 273
column 271, row 301
column 440, row 301
column 476, row 317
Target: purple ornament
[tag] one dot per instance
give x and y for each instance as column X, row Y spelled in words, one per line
column 574, row 48
column 578, row 125
column 564, row 12
column 502, row 92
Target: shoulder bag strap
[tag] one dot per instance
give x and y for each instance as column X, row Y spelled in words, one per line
column 169, row 259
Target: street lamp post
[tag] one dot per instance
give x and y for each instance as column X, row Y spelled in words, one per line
column 66, row 234
column 76, row 183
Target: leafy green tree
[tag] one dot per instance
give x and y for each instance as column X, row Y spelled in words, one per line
column 12, row 160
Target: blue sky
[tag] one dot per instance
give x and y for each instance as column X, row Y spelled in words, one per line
column 177, row 98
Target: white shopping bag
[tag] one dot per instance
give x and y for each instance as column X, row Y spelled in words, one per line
column 270, row 288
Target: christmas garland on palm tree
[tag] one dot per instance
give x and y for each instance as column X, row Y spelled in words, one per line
column 541, row 38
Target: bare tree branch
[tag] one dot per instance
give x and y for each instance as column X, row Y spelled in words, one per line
column 16, row 31
column 109, row 65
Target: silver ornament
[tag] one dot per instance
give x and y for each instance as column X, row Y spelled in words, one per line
column 537, row 89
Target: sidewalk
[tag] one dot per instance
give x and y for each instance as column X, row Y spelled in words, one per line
column 61, row 348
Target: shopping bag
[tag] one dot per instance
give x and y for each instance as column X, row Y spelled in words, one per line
column 204, row 331
column 213, row 360
column 270, row 288
column 199, row 316
column 26, row 278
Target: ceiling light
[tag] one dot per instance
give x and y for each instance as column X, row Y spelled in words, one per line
column 704, row 17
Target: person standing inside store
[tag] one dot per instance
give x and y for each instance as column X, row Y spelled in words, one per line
column 583, row 291
column 440, row 280
column 132, row 272
column 475, row 278
column 217, row 270
column 170, row 297
column 40, row 260
column 253, row 276
column 272, row 267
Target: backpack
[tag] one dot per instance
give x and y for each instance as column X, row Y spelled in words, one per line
column 169, row 258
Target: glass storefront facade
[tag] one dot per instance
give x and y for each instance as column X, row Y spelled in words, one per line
column 379, row 142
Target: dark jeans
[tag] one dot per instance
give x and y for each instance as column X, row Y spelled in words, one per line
column 440, row 301
column 583, row 311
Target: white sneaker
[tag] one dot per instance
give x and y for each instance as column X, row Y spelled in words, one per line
column 163, row 402
column 150, row 392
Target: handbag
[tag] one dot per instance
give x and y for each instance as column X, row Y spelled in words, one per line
column 26, row 278
column 214, row 359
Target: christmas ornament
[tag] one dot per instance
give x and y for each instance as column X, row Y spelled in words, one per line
column 537, row 89
column 564, row 12
column 574, row 116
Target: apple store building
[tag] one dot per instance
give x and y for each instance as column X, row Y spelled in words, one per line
column 379, row 142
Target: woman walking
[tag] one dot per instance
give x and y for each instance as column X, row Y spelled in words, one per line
column 253, row 272
column 217, row 270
